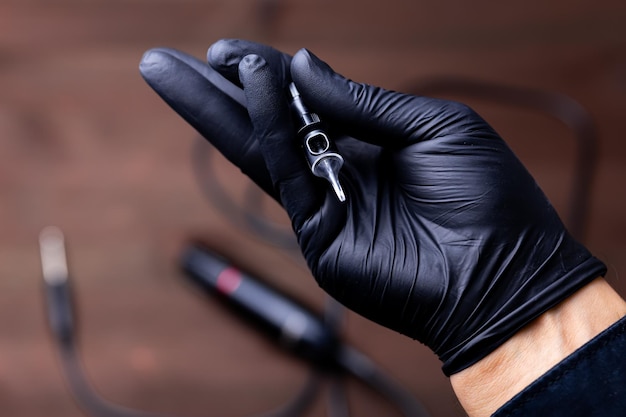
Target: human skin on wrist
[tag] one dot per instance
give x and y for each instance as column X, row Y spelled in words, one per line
column 490, row 383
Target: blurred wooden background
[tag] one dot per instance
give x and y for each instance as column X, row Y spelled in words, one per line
column 87, row 146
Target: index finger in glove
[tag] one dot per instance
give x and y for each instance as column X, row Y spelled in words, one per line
column 226, row 54
column 270, row 115
column 209, row 103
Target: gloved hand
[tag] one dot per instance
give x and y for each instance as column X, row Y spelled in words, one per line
column 445, row 237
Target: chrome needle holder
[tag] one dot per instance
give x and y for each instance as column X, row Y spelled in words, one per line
column 321, row 154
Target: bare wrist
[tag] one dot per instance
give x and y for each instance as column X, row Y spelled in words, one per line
column 488, row 384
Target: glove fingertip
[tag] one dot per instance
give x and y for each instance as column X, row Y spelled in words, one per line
column 152, row 62
column 222, row 54
column 318, row 83
column 250, row 63
column 307, row 69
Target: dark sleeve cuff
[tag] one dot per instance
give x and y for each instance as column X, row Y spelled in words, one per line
column 589, row 382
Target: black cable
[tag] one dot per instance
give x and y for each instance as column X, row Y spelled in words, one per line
column 365, row 370
column 62, row 322
column 87, row 398
column 95, row 405
column 301, row 401
column 337, row 402
column 246, row 217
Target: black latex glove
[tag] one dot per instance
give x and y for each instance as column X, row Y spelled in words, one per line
column 445, row 236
